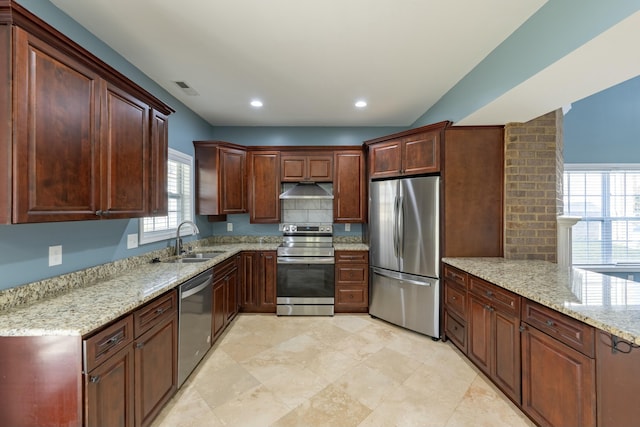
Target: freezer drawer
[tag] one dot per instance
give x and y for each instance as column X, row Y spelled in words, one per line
column 406, row 300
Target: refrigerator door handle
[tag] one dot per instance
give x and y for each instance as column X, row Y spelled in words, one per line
column 395, row 226
column 382, row 273
column 401, row 227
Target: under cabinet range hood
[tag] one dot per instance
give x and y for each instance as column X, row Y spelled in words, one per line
column 306, row 190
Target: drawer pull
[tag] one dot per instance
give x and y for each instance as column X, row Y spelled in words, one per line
column 550, row 323
column 139, row 345
column 488, row 307
column 160, row 310
column 453, row 298
column 94, row 379
column 522, row 328
column 489, row 293
column 116, row 339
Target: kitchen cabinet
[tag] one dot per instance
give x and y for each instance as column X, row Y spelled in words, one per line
column 264, row 187
column 159, row 204
column 472, row 187
column 494, row 335
column 558, row 369
column 75, row 135
column 455, row 306
column 306, row 166
column 258, row 282
column 225, row 291
column 617, row 373
column 220, row 178
column 156, row 357
column 352, row 282
column 109, row 381
column 408, row 153
column 349, row 187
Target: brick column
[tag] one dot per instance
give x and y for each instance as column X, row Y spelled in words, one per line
column 533, row 187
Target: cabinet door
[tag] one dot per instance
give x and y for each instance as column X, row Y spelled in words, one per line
column 232, row 190
column 349, row 188
column 231, row 280
column 219, row 307
column 267, row 281
column 480, row 336
column 421, row 153
column 125, row 165
column 156, row 370
column 558, row 382
column 159, row 153
column 56, row 151
column 320, row 167
column 264, row 187
column 293, row 168
column 505, row 368
column 248, row 297
column 109, row 392
column 6, row 46
column 385, row 159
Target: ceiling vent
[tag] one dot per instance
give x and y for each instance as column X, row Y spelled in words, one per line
column 187, row 89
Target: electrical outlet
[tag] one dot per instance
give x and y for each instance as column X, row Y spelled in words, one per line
column 629, row 276
column 55, row 255
column 347, row 227
column 229, row 226
column 132, row 241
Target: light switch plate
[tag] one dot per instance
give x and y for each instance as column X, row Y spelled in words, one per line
column 132, row 241
column 229, row 226
column 55, row 255
column 347, row 227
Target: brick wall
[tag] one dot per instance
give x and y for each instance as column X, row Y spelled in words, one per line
column 533, row 187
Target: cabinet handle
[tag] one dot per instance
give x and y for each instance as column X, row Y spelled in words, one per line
column 113, row 340
column 139, row 344
column 98, row 213
column 453, row 298
column 488, row 307
column 105, row 213
column 160, row 310
column 522, row 328
column 94, row 379
column 489, row 293
column 550, row 323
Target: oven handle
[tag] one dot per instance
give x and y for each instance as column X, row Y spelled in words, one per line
column 306, row 260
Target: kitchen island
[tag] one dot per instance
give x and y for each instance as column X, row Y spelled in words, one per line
column 561, row 342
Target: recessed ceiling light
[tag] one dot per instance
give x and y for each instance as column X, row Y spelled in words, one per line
column 361, row 104
column 256, row 103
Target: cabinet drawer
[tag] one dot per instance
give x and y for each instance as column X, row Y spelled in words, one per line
column 498, row 297
column 351, row 257
column 101, row 345
column 357, row 295
column 569, row 331
column 225, row 267
column 455, row 275
column 352, row 274
column 455, row 298
column 154, row 312
column 455, row 330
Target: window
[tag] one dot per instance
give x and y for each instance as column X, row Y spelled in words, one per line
column 607, row 197
column 153, row 229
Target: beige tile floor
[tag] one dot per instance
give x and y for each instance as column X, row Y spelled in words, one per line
column 346, row 370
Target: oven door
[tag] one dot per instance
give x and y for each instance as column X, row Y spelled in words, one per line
column 306, row 280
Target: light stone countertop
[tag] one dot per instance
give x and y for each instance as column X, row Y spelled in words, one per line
column 82, row 310
column 605, row 302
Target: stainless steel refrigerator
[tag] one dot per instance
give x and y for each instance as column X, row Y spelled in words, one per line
column 404, row 259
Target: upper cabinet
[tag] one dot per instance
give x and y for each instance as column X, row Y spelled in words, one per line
column 220, row 178
column 264, row 187
column 349, row 187
column 306, row 167
column 78, row 140
column 412, row 152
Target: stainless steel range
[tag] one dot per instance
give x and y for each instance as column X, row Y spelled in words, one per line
column 306, row 273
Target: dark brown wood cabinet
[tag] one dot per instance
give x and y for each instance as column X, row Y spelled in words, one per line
column 558, row 380
column 349, row 187
column 455, row 306
column 75, row 135
column 493, row 334
column 413, row 152
column 220, row 178
column 158, row 206
column 472, row 188
column 306, row 166
column 258, row 282
column 264, row 187
column 225, row 295
column 352, row 282
column 156, row 357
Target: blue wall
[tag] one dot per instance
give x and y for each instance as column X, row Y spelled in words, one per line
column 605, row 127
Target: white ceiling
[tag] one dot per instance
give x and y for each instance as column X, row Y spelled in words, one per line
column 309, row 61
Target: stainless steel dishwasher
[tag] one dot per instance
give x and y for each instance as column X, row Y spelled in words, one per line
column 194, row 324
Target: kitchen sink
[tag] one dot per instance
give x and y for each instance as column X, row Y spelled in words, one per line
column 197, row 257
column 188, row 260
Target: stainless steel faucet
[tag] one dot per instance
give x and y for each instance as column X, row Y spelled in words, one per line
column 178, row 248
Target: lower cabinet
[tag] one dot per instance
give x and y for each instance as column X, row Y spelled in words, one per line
column 352, row 282
column 132, row 365
column 258, row 277
column 225, row 299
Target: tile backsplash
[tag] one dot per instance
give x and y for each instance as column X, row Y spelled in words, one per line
column 310, row 211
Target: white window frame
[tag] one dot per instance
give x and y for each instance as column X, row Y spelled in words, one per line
column 170, row 233
column 609, row 262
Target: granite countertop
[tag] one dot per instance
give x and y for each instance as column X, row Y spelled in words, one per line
column 83, row 309
column 605, row 302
